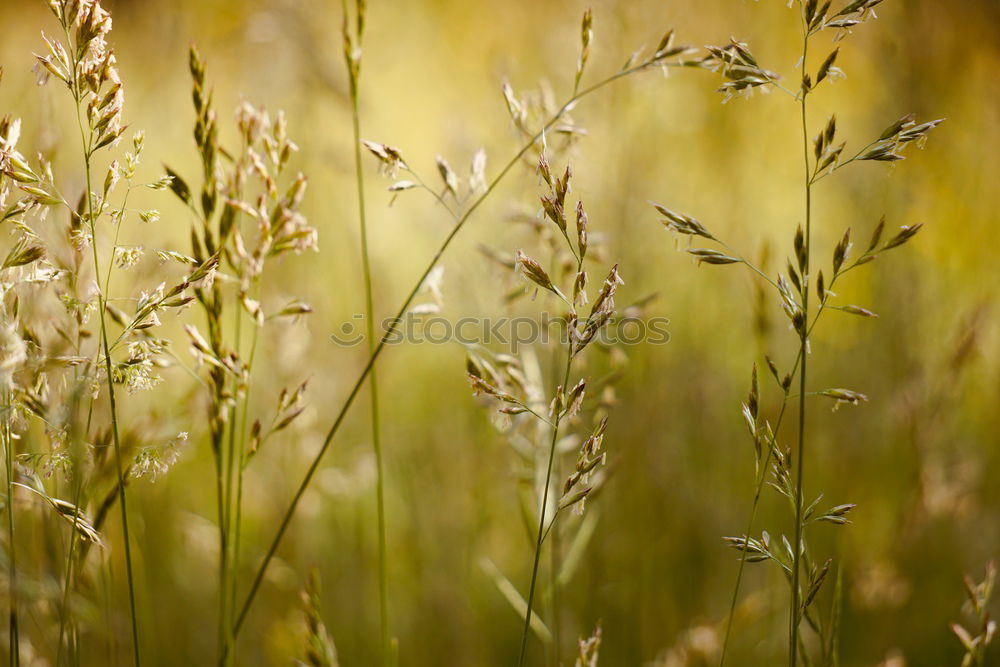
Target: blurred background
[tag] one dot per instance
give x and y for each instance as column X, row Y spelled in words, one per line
column 920, row 458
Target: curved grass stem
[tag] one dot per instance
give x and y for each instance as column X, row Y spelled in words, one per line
column 394, row 324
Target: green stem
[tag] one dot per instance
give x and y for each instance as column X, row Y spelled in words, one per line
column 74, row 538
column 15, row 651
column 816, row 178
column 554, row 625
column 237, row 536
column 433, row 193
column 68, row 584
column 746, row 543
column 211, row 301
column 115, row 435
column 87, row 143
column 102, row 302
column 393, row 326
column 217, row 438
column 114, row 245
column 554, row 590
column 228, row 583
column 793, row 634
column 541, row 513
column 354, row 75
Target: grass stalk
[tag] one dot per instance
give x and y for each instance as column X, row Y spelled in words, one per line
column 541, row 513
column 223, row 546
column 102, row 300
column 366, row 370
column 793, row 635
column 14, row 648
column 68, row 583
column 750, row 523
column 353, row 63
column 87, row 145
column 555, row 624
column 227, row 585
column 64, row 616
column 238, row 521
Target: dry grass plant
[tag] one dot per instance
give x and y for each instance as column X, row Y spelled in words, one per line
column 822, row 157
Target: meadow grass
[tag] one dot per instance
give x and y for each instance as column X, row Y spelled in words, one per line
column 352, row 59
column 821, row 157
column 85, row 359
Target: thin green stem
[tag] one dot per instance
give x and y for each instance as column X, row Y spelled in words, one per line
column 554, row 587
column 816, row 178
column 101, row 302
column 223, row 542
column 750, row 265
column 115, row 436
column 553, row 598
column 114, row 245
column 86, row 141
column 354, row 75
column 794, row 611
column 227, row 585
column 746, row 542
column 423, row 186
column 67, row 585
column 228, row 524
column 541, row 514
column 74, row 538
column 14, row 645
column 552, row 523
column 394, row 325
column 237, row 536
column 532, row 412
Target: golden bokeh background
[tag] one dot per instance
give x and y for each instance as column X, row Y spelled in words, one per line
column 920, row 459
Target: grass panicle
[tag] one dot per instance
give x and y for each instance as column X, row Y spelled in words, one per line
column 795, row 289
